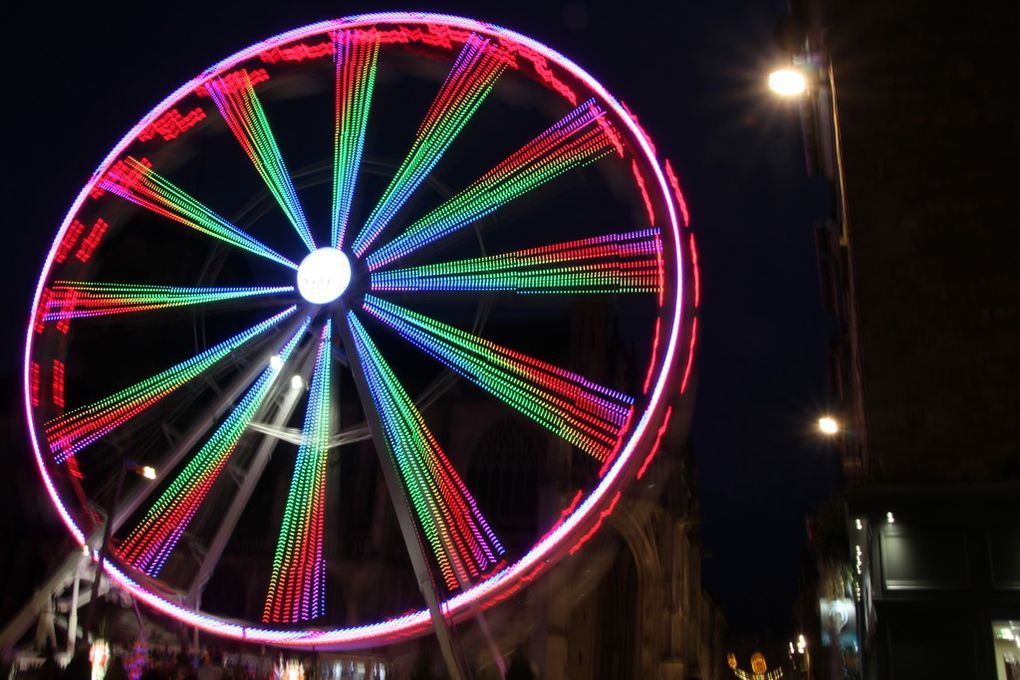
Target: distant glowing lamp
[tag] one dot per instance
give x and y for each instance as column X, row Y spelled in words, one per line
column 788, row 82
column 890, row 518
column 828, row 425
column 148, row 472
column 276, row 362
column 758, row 664
column 296, row 383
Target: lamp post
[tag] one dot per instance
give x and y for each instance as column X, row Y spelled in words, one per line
column 146, row 471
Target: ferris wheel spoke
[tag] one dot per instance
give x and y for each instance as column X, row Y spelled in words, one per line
column 203, row 423
column 470, row 80
column 152, row 540
column 587, row 415
column 579, row 138
column 71, row 432
column 86, row 299
column 297, row 584
column 135, row 180
column 234, row 96
column 628, row 262
column 357, row 54
column 449, row 521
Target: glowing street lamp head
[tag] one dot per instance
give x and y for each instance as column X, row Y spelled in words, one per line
column 828, row 425
column 323, row 276
column 788, row 82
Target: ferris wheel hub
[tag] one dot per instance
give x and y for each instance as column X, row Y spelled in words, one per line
column 323, row 276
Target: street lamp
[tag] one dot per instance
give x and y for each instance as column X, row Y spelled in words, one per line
column 788, row 82
column 828, row 426
column 146, row 471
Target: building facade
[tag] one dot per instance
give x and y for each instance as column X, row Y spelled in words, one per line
column 908, row 120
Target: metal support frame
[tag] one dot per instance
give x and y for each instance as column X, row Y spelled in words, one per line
column 241, row 497
column 196, row 432
column 408, row 529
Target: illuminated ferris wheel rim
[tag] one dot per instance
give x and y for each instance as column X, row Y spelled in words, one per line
column 541, row 553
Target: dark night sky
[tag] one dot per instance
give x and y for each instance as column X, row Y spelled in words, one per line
column 82, row 74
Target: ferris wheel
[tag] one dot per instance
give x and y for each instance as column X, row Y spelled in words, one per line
column 305, row 286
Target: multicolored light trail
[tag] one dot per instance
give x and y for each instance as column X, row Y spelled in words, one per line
column 83, row 299
column 357, row 54
column 589, row 416
column 579, row 138
column 240, row 107
column 615, row 263
column 154, row 538
column 472, row 77
column 136, row 181
column 463, row 544
column 73, row 431
column 297, row 584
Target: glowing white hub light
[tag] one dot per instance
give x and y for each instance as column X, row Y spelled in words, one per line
column 323, row 276
column 276, row 362
column 788, row 82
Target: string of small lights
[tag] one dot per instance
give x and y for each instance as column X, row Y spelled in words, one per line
column 155, row 536
column 71, row 432
column 470, row 80
column 297, row 583
column 461, row 541
column 357, row 55
column 587, row 415
column 84, row 299
column 630, row 262
column 234, row 96
column 579, row 138
column 135, row 180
